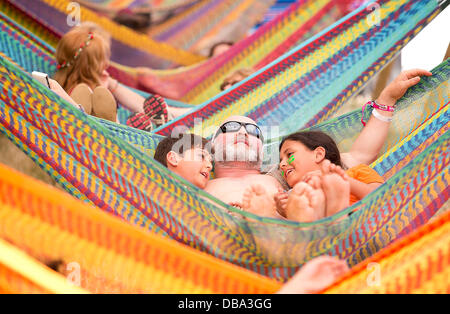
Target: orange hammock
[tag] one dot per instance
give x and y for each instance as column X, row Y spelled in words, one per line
column 113, row 256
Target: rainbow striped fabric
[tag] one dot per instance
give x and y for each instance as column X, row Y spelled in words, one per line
column 98, row 252
column 305, row 86
column 99, row 167
column 415, row 264
column 128, row 47
column 137, row 5
column 298, row 23
column 207, row 22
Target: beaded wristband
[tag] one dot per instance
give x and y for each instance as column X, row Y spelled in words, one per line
column 376, row 106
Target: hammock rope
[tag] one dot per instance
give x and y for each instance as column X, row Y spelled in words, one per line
column 130, row 196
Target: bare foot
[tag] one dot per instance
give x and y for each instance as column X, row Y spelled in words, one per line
column 336, row 188
column 305, row 203
column 257, row 201
column 281, row 199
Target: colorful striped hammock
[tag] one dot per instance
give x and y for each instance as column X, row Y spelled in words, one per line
column 420, row 263
column 138, row 6
column 35, row 55
column 221, row 20
column 49, row 37
column 98, row 166
column 213, row 21
column 298, row 23
column 143, row 262
column 108, row 255
column 307, row 85
column 128, row 47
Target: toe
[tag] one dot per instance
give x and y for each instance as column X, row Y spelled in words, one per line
column 258, row 189
column 299, row 188
column 315, row 182
column 326, row 166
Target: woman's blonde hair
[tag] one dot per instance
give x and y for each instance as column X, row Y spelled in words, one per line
column 91, row 61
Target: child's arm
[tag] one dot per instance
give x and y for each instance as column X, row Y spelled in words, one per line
column 58, row 90
column 361, row 189
column 135, row 102
column 367, row 146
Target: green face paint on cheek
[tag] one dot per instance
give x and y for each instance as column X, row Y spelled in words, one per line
column 291, row 160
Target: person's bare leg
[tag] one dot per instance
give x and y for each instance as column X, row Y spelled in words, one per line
column 177, row 111
column 257, row 201
column 305, row 203
column 315, row 276
column 336, row 187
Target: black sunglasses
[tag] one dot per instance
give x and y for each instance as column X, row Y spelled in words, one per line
column 234, row 126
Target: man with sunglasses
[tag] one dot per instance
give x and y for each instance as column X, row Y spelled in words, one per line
column 238, row 146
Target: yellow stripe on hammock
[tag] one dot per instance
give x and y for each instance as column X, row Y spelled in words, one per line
column 114, row 257
column 19, row 273
column 419, row 263
column 131, row 38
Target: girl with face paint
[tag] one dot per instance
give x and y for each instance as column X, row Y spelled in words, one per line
column 311, row 164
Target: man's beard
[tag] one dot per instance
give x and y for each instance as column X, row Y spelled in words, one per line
column 231, row 153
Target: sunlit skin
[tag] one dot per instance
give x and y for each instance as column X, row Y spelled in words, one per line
column 233, row 178
column 219, row 49
column 296, row 160
column 194, row 165
column 320, row 188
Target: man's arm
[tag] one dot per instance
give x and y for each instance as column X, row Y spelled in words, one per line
column 367, row 146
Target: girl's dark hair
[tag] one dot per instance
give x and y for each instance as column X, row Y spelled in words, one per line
column 314, row 139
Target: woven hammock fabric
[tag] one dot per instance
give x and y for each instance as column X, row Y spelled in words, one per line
column 420, row 263
column 220, row 20
column 34, row 55
column 120, row 179
column 297, row 24
column 139, row 6
column 306, row 86
column 166, row 28
column 128, row 47
column 400, row 265
column 217, row 19
column 112, row 256
column 47, row 34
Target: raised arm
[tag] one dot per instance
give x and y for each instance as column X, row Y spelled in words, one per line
column 367, row 146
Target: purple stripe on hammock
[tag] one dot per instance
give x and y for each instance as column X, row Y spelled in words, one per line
column 186, row 22
column 121, row 53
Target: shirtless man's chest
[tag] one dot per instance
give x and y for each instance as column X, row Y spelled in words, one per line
column 231, row 190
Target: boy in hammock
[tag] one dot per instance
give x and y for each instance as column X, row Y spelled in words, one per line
column 188, row 155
